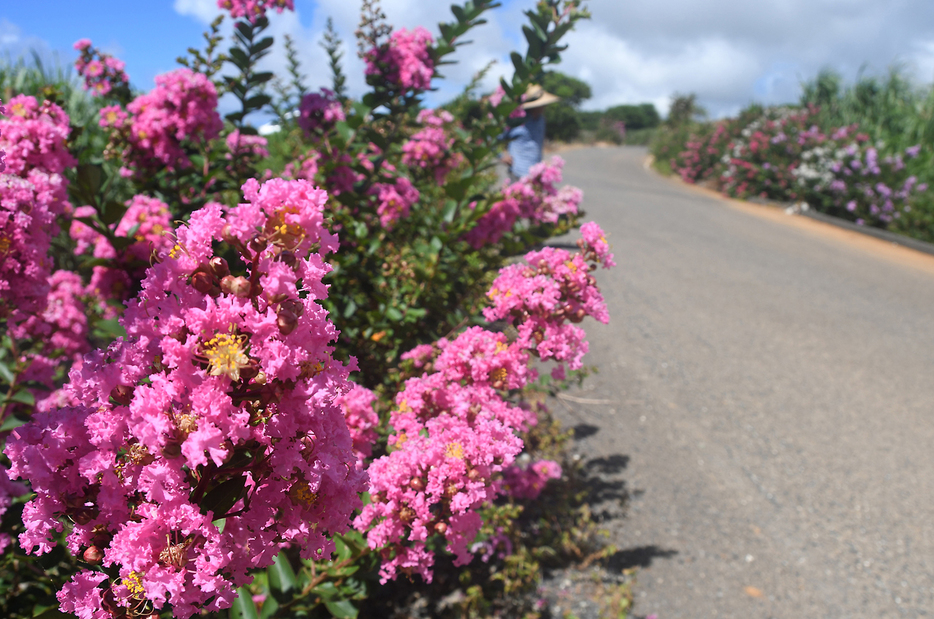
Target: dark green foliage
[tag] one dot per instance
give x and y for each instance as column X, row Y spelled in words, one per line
column 562, row 119
column 332, row 45
column 643, row 116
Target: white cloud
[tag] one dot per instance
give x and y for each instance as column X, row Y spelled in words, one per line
column 203, row 10
column 728, row 52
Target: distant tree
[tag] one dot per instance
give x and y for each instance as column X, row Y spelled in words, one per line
column 642, row 116
column 684, row 109
column 563, row 119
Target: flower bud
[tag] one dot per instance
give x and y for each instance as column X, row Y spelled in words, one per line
column 578, row 315
column 237, row 286
column 219, row 267
column 286, row 320
column 288, row 258
column 294, row 305
column 203, row 282
column 93, row 555
column 441, row 528
column 122, row 394
column 417, row 484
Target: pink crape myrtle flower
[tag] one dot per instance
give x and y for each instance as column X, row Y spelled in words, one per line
column 305, row 168
column 394, row 199
column 250, row 146
column 540, row 298
column 220, row 404
column 454, row 433
column 61, row 327
column 527, row 483
column 33, row 192
column 319, row 112
column 430, row 149
column 535, row 197
column 34, row 136
column 181, row 108
column 101, row 72
column 362, row 420
column 254, row 9
column 404, row 62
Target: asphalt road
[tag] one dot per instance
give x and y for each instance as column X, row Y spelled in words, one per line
column 766, row 393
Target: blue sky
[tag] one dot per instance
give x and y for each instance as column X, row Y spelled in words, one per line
column 728, row 52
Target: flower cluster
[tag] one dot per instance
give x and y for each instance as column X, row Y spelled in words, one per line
column 102, row 72
column 254, row 9
column 455, row 433
column 148, row 222
column 357, row 405
column 554, row 288
column 527, row 483
column 181, row 109
column 218, row 406
column 33, row 192
column 430, row 149
column 394, row 199
column 535, row 197
column 319, row 112
column 250, row 146
column 404, row 62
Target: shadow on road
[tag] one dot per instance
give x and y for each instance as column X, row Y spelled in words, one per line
column 641, row 556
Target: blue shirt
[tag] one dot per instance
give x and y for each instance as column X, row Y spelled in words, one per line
column 525, row 144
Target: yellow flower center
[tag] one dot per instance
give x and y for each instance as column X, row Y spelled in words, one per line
column 301, row 495
column 501, row 347
column 225, row 355
column 499, row 374
column 454, row 450
column 134, row 584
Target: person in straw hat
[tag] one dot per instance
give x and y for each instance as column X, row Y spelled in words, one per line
column 526, row 140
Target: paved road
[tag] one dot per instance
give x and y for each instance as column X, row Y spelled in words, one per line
column 773, row 391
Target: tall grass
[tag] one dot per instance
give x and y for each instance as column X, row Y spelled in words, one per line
column 47, row 79
column 891, row 108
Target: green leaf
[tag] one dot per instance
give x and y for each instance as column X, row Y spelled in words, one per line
column 243, row 607
column 246, row 29
column 393, row 314
column 111, row 328
column 239, row 58
column 256, row 102
column 344, row 130
column 260, row 78
column 262, row 45
column 11, row 423
column 112, row 212
column 341, row 549
column 281, row 575
column 459, row 13
column 222, row 497
column 51, row 613
column 450, row 208
column 269, row 608
column 342, row 609
column 350, row 309
column 24, row 396
column 5, row 373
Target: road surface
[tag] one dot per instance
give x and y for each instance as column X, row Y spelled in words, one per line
column 766, row 392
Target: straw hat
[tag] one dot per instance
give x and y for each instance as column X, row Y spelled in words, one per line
column 536, row 96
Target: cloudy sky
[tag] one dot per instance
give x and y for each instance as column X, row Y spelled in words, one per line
column 728, row 52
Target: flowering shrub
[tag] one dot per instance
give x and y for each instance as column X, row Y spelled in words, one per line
column 781, row 154
column 183, row 325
